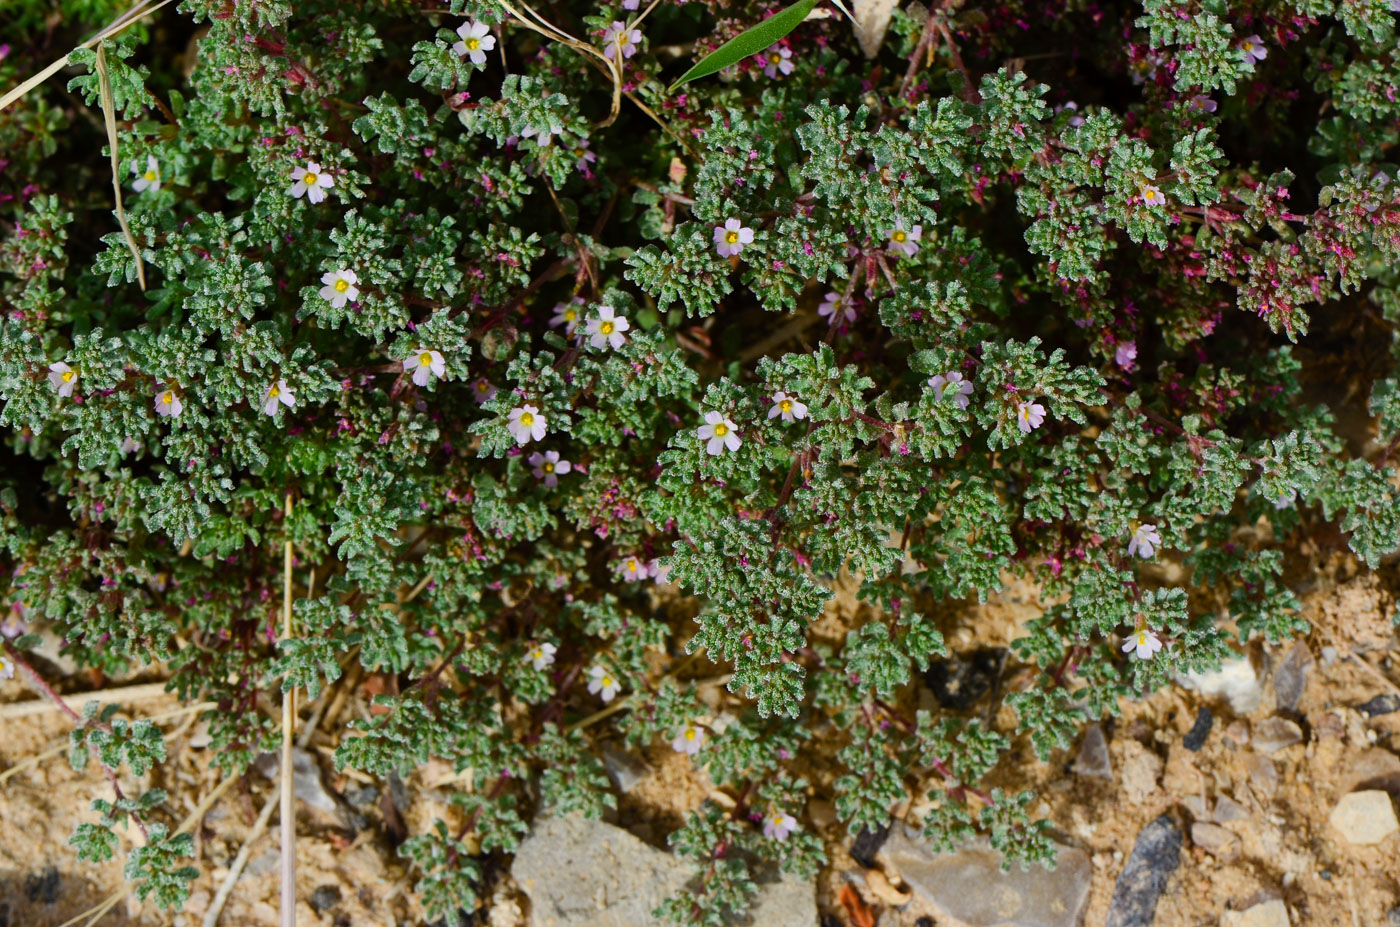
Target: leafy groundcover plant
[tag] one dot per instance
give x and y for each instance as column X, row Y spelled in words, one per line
column 537, row 342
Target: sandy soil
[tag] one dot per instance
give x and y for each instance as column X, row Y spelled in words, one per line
column 1274, row 807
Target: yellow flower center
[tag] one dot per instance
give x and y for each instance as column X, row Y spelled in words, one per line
column 482, row 387
column 273, row 393
column 721, row 430
column 527, row 419
column 900, row 236
column 309, row 179
column 342, row 285
column 537, row 653
column 690, row 733
column 425, row 359
column 632, row 566
column 608, row 682
column 150, row 175
column 621, row 38
column 570, row 315
column 774, row 58
column 472, row 43
column 547, row 467
column 606, row 328
column 68, row 376
column 785, row 405
column 731, row 237
column 1142, row 637
column 168, row 398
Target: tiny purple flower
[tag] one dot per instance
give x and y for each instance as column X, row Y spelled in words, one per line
column 954, row 383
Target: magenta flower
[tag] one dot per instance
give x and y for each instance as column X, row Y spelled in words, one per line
column 1253, row 48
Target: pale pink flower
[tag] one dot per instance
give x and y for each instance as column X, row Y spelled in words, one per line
column 547, row 467
column 905, row 241
column 776, row 60
column 1029, row 415
column 1126, row 355
column 634, row 569
column 607, row 329
column 777, row 825
column 1152, row 196
column 63, row 378
column 621, row 38
column 567, row 315
column 484, row 391
column 954, row 383
column 731, row 237
column 1254, row 48
column 1201, row 103
column 832, row 307
column 168, row 403
column 1144, row 542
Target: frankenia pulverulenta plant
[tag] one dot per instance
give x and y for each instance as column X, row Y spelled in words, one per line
column 587, row 389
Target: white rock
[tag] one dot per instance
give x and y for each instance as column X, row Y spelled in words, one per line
column 1365, row 818
column 1236, row 681
column 1272, row 913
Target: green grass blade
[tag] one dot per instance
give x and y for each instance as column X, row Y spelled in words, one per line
column 749, row 42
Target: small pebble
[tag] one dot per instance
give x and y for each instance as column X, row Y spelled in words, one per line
column 1291, row 677
column 1271, row 913
column 1215, row 840
column 1093, row 759
column 1196, row 737
column 867, row 844
column 1156, row 854
column 1380, row 705
column 1274, row 734
column 1365, row 818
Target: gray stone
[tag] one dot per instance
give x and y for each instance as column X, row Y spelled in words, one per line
column 1155, row 856
column 625, row 770
column 581, row 873
column 1263, row 775
column 969, row 889
column 1093, row 759
column 1380, row 705
column 306, row 778
column 1195, row 738
column 1273, row 734
column 1365, row 818
column 1291, row 677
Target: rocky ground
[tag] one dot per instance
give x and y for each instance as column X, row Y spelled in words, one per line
column 1262, row 796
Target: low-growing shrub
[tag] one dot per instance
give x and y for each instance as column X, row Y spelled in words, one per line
column 534, row 357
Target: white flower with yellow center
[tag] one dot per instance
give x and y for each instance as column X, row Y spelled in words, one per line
column 7, row 667
column 1144, row 642
column 689, row 740
column 526, row 424
column 787, row 406
column 607, row 329
column 149, row 179
column 277, row 396
column 778, row 824
column 567, row 315
column 312, row 181
column 476, row 41
column 425, row 365
column 1029, row 416
column 542, row 655
column 63, row 378
column 731, row 237
column 905, row 241
column 1151, row 196
column 718, row 433
column 603, row 684
column 634, row 569
column 168, row 403
column 339, row 287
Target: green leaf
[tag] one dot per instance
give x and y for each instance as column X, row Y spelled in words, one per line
column 749, row 42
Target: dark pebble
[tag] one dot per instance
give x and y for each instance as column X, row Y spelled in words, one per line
column 1380, row 705
column 924, row 922
column 1155, row 856
column 867, row 844
column 42, row 887
column 325, row 898
column 1196, row 737
column 831, row 920
column 960, row 683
